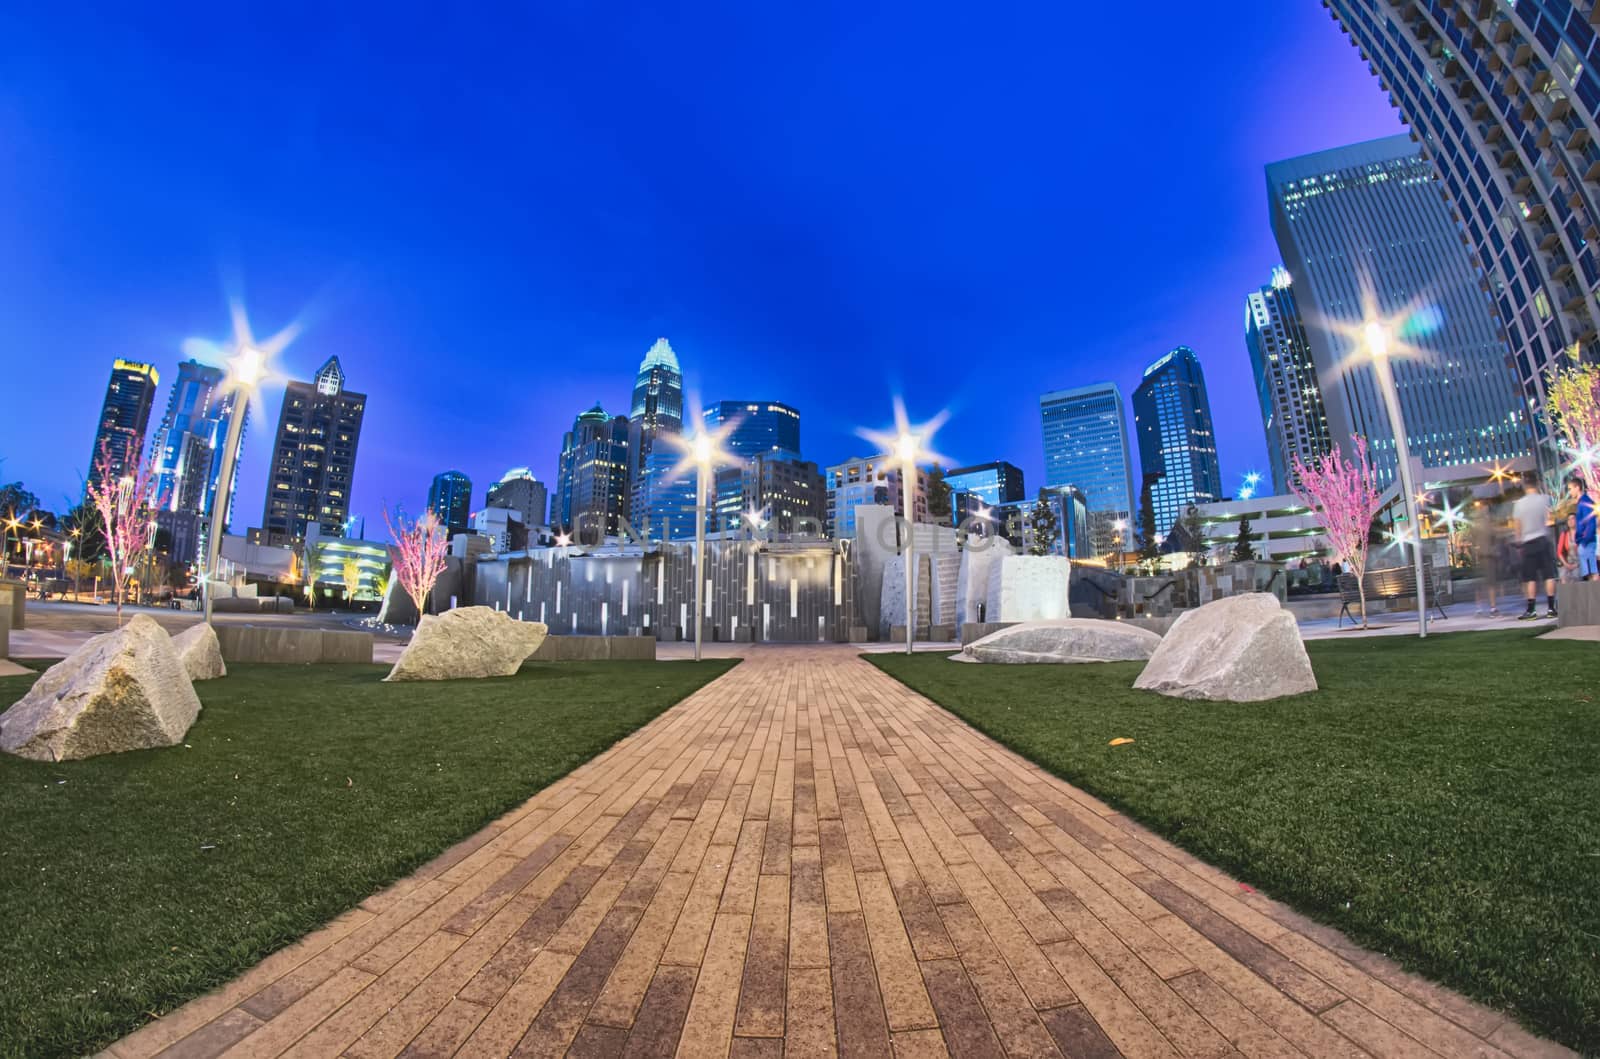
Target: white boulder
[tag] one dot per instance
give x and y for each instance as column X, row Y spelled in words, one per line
column 467, row 643
column 1239, row 649
column 1063, row 640
column 200, row 652
column 122, row 690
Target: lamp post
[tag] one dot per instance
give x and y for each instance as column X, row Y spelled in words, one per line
column 245, row 370
column 905, row 449
column 1376, row 337
column 703, row 451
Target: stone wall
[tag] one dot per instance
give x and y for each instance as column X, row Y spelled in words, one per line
column 756, row 591
column 280, row 643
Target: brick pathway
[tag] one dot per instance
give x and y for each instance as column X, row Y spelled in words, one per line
column 805, row 858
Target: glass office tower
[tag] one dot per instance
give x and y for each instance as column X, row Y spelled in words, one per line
column 1086, row 445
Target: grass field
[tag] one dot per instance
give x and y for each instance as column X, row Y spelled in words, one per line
column 133, row 882
column 1438, row 801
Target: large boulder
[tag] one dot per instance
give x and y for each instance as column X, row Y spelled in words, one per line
column 1239, row 649
column 1063, row 640
column 122, row 690
column 467, row 643
column 200, row 652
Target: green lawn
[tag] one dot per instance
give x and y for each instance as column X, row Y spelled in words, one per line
column 1438, row 801
column 133, row 882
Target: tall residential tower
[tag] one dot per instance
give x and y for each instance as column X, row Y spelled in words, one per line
column 1503, row 98
column 313, row 458
column 124, row 416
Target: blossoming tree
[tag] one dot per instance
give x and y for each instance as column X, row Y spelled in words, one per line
column 419, row 554
column 125, row 509
column 350, row 571
column 1572, row 404
column 1345, row 494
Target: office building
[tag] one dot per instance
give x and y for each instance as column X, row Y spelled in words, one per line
column 450, row 500
column 869, row 480
column 592, row 484
column 771, row 495
column 1071, row 509
column 661, row 494
column 1286, row 381
column 758, row 428
column 313, row 458
column 1503, row 99
column 520, row 491
column 187, row 450
column 1086, row 446
column 982, row 486
column 124, row 415
column 1366, row 224
column 1177, row 445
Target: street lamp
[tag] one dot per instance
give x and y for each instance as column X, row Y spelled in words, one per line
column 1377, row 340
column 908, row 445
column 245, row 372
column 704, row 450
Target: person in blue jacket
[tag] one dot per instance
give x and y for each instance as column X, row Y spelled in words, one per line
column 1584, row 533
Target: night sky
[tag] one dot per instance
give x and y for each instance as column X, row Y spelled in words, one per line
column 490, row 219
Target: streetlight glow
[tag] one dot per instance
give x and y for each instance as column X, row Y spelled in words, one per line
column 907, row 446
column 1376, row 336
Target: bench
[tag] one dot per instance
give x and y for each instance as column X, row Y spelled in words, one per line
column 1389, row 584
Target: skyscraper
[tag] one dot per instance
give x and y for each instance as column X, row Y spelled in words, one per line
column 662, row 500
column 1504, row 98
column 520, row 491
column 986, row 484
column 1366, row 222
column 313, row 458
column 450, row 499
column 869, row 480
column 760, row 428
column 1086, row 445
column 124, row 415
column 1286, row 381
column 778, row 493
column 592, row 484
column 1177, row 446
column 187, row 449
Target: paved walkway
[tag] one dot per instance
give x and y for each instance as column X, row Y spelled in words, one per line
column 805, row 859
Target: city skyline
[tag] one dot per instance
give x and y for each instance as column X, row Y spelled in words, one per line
column 934, row 334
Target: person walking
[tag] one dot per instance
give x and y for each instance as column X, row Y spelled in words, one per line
column 1531, row 518
column 1583, row 533
column 1488, row 548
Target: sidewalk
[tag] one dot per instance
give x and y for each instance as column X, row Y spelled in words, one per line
column 806, row 858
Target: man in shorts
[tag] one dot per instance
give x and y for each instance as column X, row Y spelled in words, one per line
column 1530, row 516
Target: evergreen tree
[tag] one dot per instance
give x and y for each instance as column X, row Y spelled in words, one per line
column 1046, row 528
column 1242, row 551
column 1194, row 537
column 1149, row 548
column 938, row 495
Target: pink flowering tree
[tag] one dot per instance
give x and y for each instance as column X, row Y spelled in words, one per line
column 419, row 554
column 125, row 508
column 1572, row 404
column 1345, row 494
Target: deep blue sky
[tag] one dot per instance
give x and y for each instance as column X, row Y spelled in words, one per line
column 494, row 217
